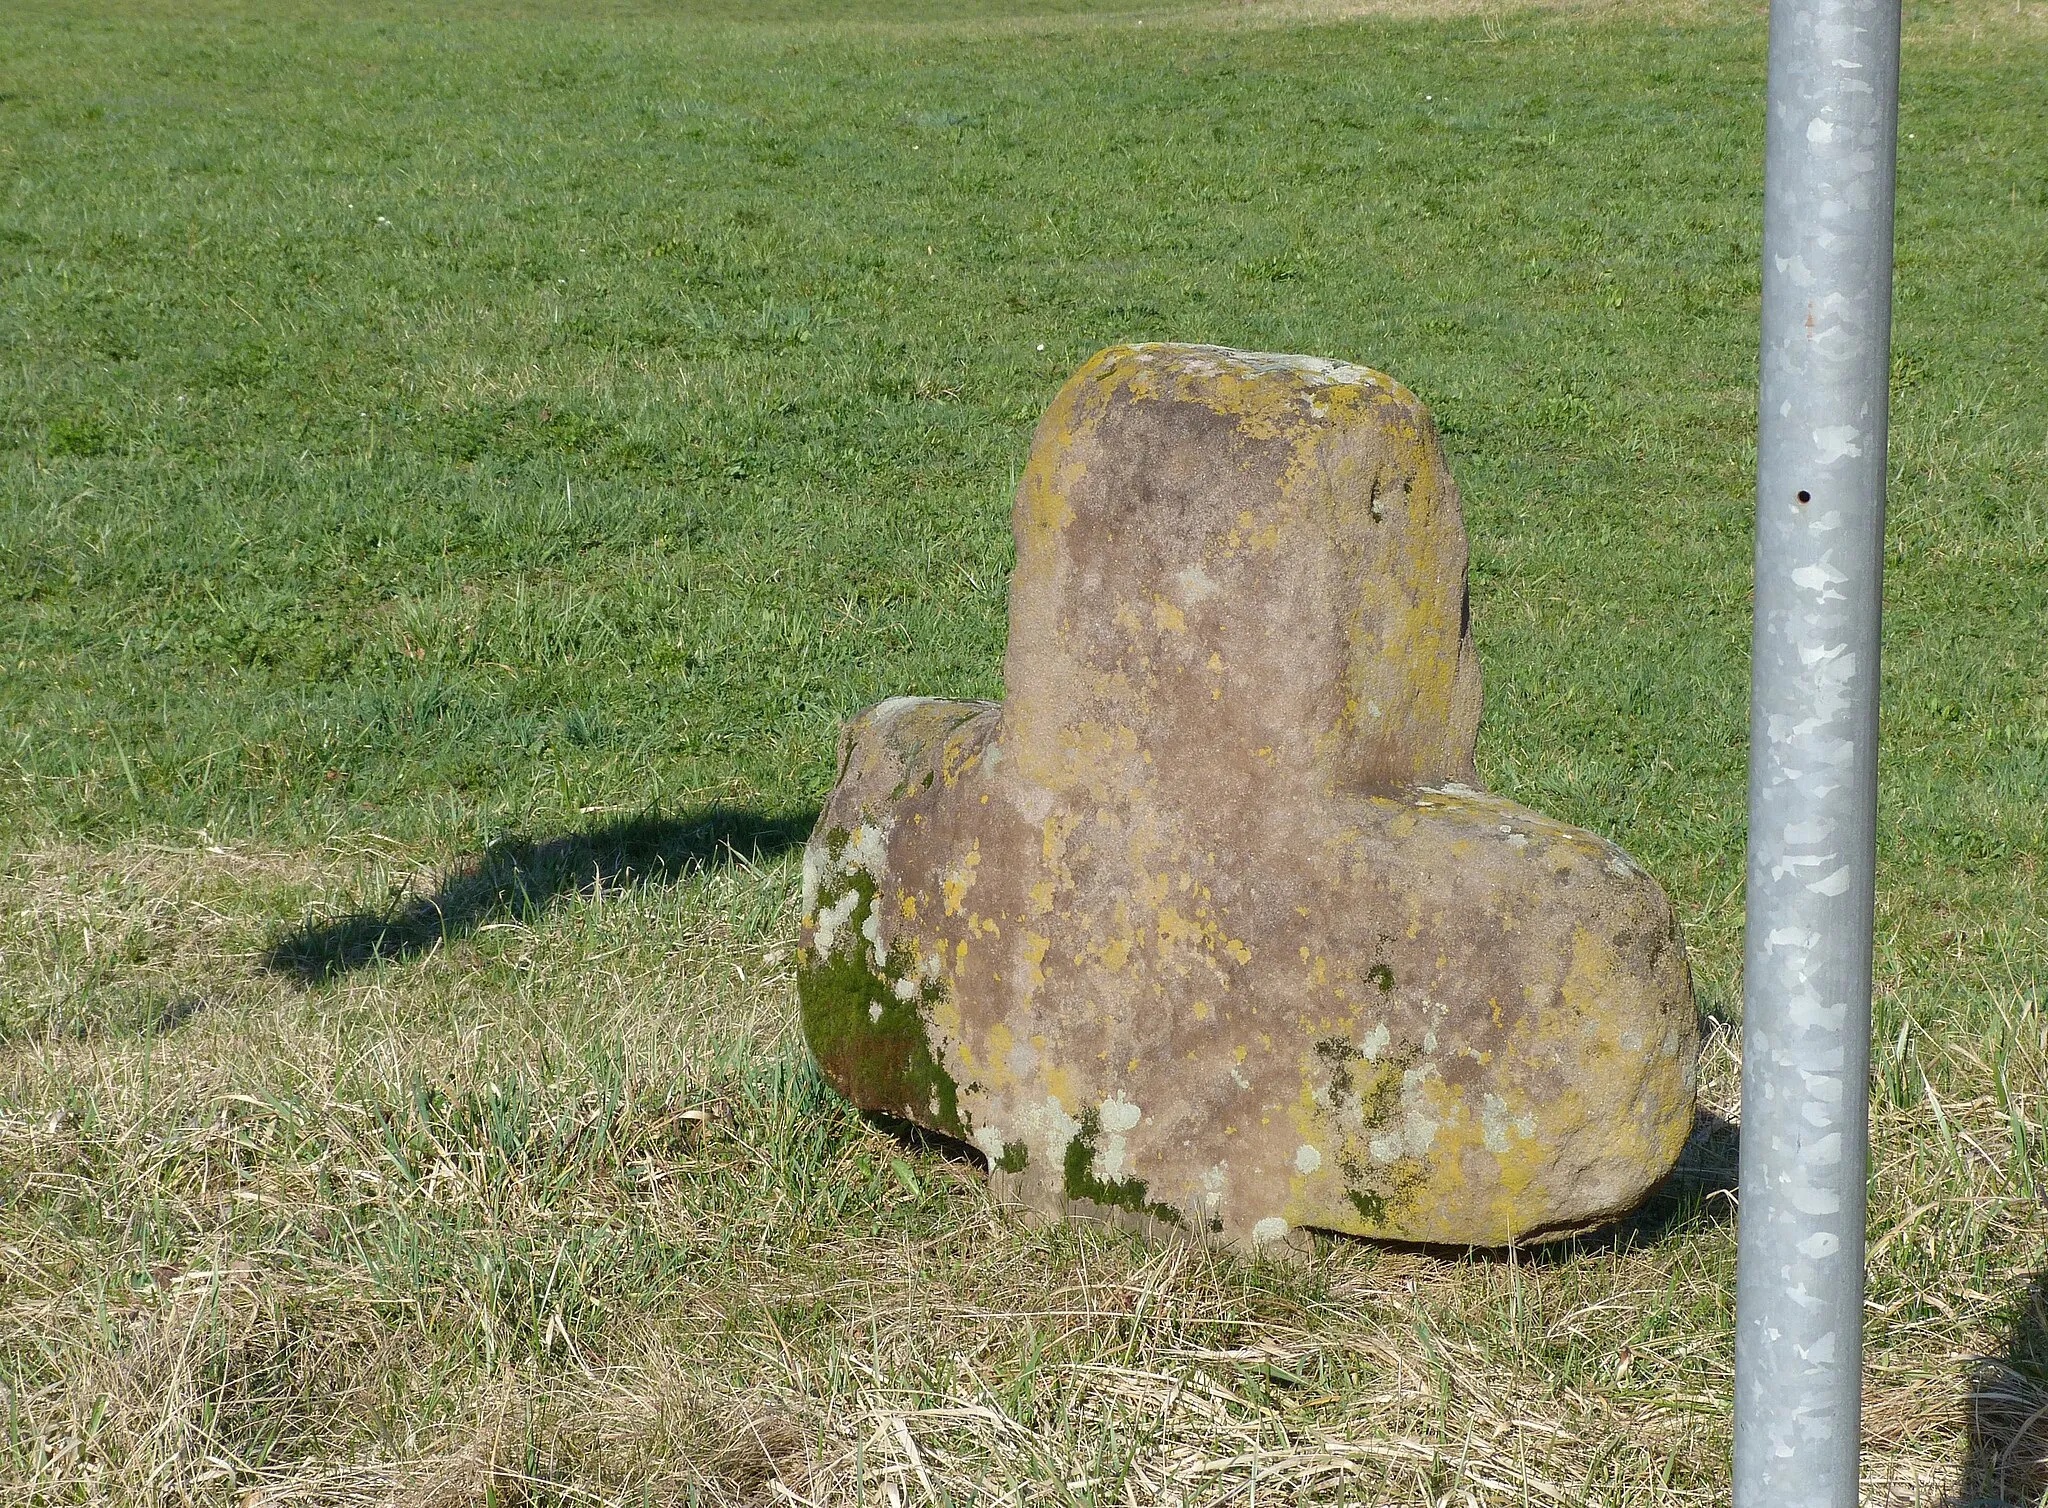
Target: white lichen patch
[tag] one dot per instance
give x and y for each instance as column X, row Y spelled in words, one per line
column 904, row 989
column 990, row 1141
column 1048, row 1126
column 1116, row 1117
column 1417, row 1131
column 1495, row 1123
column 1219, row 361
column 831, row 920
column 1351, row 1114
column 1374, row 1042
column 1196, row 584
column 1119, row 1115
column 1307, row 1159
column 1269, row 1230
column 1621, row 866
column 814, row 865
column 867, row 849
column 890, row 708
column 871, row 929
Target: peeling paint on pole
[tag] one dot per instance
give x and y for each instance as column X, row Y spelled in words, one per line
column 1827, row 278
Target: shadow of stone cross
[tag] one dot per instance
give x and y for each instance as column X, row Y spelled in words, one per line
column 1209, row 924
column 520, row 877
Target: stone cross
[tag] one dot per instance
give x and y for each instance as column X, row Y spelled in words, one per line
column 1208, row 924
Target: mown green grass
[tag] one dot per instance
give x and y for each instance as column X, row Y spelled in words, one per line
column 458, row 466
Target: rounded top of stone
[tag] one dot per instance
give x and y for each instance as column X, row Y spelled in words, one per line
column 1244, row 550
column 1221, row 361
column 1267, row 393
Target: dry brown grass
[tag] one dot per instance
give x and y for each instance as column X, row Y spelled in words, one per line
column 555, row 1214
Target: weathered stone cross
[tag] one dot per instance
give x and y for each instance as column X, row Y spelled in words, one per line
column 1208, row 924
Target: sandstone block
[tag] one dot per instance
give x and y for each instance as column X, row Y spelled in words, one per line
column 1208, row 924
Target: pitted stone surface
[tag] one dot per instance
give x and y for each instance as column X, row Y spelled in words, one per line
column 1208, row 923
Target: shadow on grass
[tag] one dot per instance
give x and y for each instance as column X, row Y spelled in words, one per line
column 2007, row 1412
column 518, row 877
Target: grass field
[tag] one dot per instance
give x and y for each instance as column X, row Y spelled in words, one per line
column 458, row 465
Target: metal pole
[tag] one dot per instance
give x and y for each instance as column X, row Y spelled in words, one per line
column 1827, row 280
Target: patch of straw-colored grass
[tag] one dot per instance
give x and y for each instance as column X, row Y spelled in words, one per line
column 556, row 1212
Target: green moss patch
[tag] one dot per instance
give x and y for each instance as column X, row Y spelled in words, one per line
column 874, row 1047
column 1084, row 1183
column 1375, row 1192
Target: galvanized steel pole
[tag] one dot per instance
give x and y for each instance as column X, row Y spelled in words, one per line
column 1827, row 284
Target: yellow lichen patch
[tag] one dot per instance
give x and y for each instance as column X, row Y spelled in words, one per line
column 1171, row 929
column 956, row 884
column 1056, row 468
column 946, row 1017
column 1114, row 954
column 1059, row 1083
column 1590, row 980
column 1166, row 616
column 1053, row 841
column 1045, row 509
column 1035, row 947
column 994, row 1068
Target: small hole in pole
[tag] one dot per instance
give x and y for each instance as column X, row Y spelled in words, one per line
column 1805, row 496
